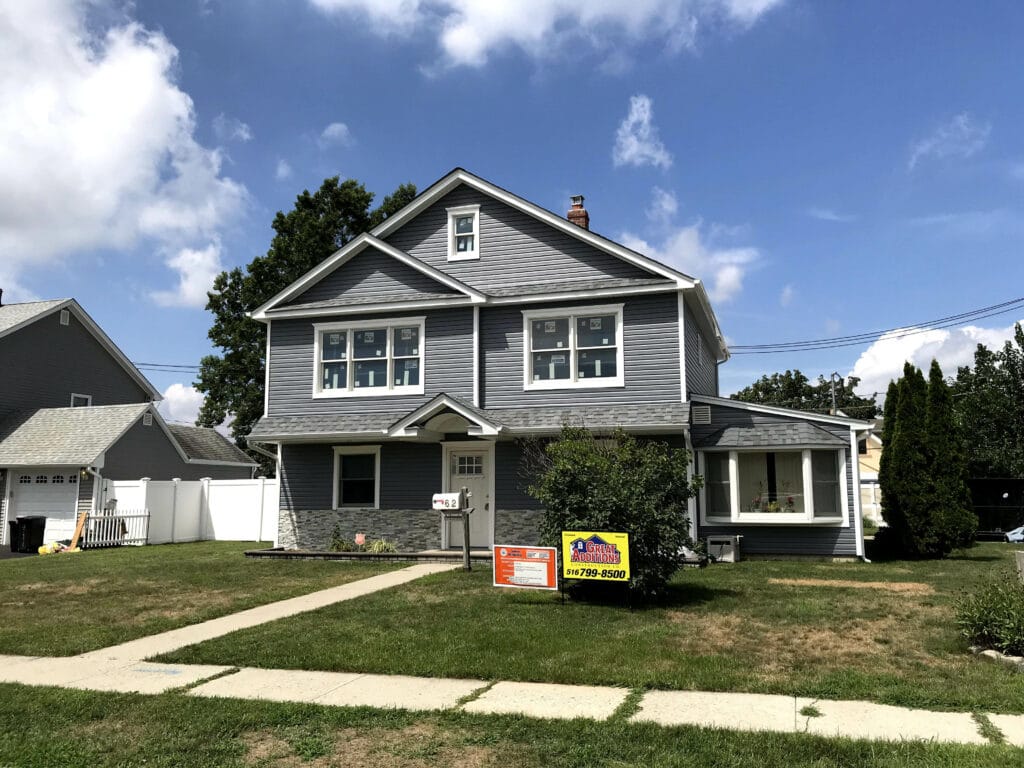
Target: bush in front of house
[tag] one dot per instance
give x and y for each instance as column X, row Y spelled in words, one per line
column 618, row 484
column 993, row 617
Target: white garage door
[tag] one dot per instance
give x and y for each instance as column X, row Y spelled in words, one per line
column 48, row 491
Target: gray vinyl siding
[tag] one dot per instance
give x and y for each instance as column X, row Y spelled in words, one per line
column 410, row 473
column 514, row 248
column 701, row 364
column 448, row 364
column 44, row 362
column 372, row 274
column 510, row 481
column 651, row 356
column 147, row 452
column 795, row 539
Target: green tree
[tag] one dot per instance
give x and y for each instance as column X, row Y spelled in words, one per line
column 793, row 389
column 319, row 224
column 905, row 500
column 953, row 520
column 623, row 484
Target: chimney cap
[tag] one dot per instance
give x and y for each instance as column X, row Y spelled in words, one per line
column 577, row 201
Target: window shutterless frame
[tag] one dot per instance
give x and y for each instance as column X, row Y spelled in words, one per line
column 340, row 451
column 572, row 349
column 464, row 233
column 346, row 355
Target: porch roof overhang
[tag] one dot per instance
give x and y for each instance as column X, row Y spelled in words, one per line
column 421, row 422
column 791, row 435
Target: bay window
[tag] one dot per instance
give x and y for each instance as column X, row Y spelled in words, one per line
column 382, row 357
column 571, row 348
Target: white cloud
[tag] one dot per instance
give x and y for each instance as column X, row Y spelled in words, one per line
column 963, row 136
column 827, row 214
column 196, row 271
column 953, row 347
column 636, row 141
column 231, row 129
column 786, row 297
column 470, row 31
column 689, row 251
column 663, row 206
column 181, row 403
column 335, row 133
column 97, row 140
column 283, row 170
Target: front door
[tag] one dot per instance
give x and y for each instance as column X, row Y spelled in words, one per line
column 471, row 468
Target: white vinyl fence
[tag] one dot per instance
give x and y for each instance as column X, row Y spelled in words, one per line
column 196, row 510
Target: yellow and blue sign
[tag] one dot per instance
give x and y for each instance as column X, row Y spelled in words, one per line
column 597, row 555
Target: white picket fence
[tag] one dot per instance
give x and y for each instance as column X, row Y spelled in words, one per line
column 198, row 510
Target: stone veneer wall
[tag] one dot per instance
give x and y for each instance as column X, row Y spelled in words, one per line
column 411, row 530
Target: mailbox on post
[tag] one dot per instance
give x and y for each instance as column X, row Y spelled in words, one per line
column 454, row 506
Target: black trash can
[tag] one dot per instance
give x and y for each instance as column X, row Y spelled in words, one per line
column 33, row 529
column 15, row 542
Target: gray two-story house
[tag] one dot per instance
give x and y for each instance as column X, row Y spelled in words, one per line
column 417, row 358
column 74, row 410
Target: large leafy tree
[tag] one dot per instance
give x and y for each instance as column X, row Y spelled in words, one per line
column 320, row 223
column 989, row 406
column 793, row 389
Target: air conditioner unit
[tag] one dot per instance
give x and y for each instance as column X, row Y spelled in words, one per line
column 724, row 549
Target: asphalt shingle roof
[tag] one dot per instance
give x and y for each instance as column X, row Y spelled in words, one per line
column 64, row 436
column 771, row 436
column 12, row 315
column 321, row 424
column 207, row 444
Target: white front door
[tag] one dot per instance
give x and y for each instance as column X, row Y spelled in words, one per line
column 51, row 492
column 472, row 468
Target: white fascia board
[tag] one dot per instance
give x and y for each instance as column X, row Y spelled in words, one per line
column 349, row 251
column 709, row 314
column 776, row 410
column 589, row 293
column 461, row 176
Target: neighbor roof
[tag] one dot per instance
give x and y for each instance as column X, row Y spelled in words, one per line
column 15, row 315
column 205, row 444
column 781, row 435
column 65, row 436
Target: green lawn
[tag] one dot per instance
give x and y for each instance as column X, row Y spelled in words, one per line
column 66, row 604
column 882, row 632
column 44, row 727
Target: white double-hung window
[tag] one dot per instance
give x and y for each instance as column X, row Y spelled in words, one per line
column 569, row 348
column 375, row 357
column 464, row 233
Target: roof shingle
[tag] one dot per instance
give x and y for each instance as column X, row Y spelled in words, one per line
column 64, row 436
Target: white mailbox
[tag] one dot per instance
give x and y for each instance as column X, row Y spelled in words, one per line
column 449, row 501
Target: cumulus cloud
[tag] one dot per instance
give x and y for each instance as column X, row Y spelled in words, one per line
column 181, row 403
column 691, row 252
column 663, row 206
column 963, row 136
column 952, row 347
column 97, row 140
column 636, row 140
column 468, row 32
column 335, row 134
column 828, row 214
column 196, row 271
column 231, row 129
column 283, row 170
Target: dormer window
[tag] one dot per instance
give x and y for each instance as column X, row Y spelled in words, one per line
column 464, row 233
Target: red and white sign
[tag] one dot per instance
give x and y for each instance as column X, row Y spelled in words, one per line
column 526, row 567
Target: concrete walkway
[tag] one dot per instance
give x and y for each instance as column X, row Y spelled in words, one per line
column 121, row 668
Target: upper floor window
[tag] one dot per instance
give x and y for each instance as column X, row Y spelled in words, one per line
column 464, row 233
column 377, row 357
column 580, row 347
column 80, row 401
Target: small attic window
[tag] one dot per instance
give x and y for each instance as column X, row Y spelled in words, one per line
column 464, row 233
column 65, row 317
column 147, row 420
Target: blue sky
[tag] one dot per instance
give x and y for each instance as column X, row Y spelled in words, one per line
column 826, row 168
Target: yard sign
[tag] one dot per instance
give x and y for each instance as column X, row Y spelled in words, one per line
column 601, row 556
column 530, row 567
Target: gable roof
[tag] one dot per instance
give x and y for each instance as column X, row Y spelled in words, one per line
column 14, row 317
column 65, row 436
column 345, row 254
column 857, row 424
column 202, row 444
column 790, row 434
column 438, row 405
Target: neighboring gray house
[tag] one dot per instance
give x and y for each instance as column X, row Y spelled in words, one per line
column 414, row 359
column 73, row 409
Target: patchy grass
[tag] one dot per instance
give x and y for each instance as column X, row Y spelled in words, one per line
column 43, row 727
column 814, row 629
column 66, row 604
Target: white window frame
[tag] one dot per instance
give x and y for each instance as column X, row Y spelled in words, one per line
column 87, row 398
column 739, row 517
column 453, row 214
column 571, row 313
column 319, row 329
column 355, row 450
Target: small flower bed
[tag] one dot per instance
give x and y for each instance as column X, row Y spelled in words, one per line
column 360, row 544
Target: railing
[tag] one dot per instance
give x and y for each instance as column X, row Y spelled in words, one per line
column 116, row 529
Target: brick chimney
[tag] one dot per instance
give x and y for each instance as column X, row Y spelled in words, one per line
column 578, row 214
